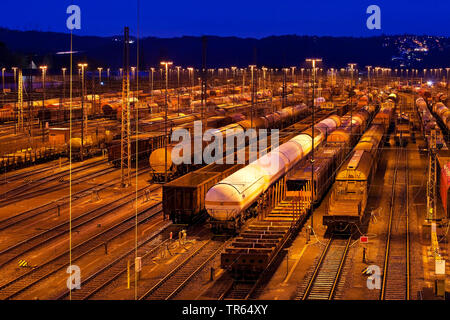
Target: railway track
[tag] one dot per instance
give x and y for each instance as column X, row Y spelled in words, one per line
column 324, row 279
column 62, row 185
column 22, row 192
column 29, row 279
column 61, row 202
column 173, row 282
column 110, row 272
column 396, row 271
column 25, row 175
column 9, row 254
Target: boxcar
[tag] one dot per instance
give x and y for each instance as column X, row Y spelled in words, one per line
column 184, row 198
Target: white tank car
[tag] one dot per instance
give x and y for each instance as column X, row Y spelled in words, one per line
column 234, row 194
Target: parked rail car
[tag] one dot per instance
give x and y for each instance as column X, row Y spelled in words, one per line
column 429, row 124
column 230, row 202
column 274, row 120
column 147, row 142
column 184, row 198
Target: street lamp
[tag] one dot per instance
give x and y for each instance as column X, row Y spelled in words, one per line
column 44, row 71
column 448, row 69
column 64, row 83
column 313, row 64
column 99, row 75
column 3, row 79
column 191, row 78
column 82, row 66
column 368, row 77
column 166, row 65
column 152, row 71
column 107, row 75
column 133, row 73
column 15, row 77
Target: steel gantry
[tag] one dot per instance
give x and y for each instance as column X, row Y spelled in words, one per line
column 431, row 183
column 20, row 102
column 125, row 163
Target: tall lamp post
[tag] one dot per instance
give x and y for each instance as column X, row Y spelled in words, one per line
column 448, row 69
column 313, row 62
column 99, row 75
column 15, row 78
column 368, row 77
column 82, row 66
column 3, row 80
column 178, row 88
column 191, row 79
column 166, row 65
column 107, row 76
column 152, row 71
column 63, row 70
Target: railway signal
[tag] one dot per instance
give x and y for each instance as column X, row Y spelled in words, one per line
column 364, row 239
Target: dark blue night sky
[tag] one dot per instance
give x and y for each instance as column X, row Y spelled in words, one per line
column 231, row 17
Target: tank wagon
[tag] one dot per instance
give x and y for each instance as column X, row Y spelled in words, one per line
column 349, row 195
column 274, row 120
column 230, row 202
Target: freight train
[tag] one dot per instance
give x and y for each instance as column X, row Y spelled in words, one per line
column 233, row 200
column 274, row 120
column 350, row 191
column 257, row 246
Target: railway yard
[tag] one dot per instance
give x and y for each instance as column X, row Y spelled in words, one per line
column 351, row 203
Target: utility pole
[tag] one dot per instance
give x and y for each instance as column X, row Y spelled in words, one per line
column 313, row 63
column 125, row 163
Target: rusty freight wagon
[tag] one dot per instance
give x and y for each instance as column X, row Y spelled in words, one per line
column 184, row 198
